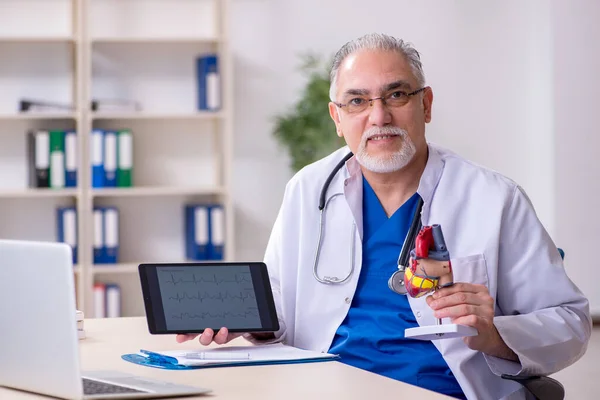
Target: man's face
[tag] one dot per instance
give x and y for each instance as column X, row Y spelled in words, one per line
column 384, row 138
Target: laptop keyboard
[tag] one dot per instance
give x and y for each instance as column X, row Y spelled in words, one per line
column 96, row 387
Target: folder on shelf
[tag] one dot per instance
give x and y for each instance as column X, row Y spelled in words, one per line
column 38, row 151
column 196, row 232
column 216, row 228
column 110, row 159
column 98, row 236
column 97, row 157
column 111, row 235
column 227, row 356
column 67, row 228
column 125, row 158
column 27, row 105
column 57, row 159
column 209, row 82
column 115, row 105
column 70, row 159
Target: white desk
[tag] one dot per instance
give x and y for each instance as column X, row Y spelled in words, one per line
column 108, row 339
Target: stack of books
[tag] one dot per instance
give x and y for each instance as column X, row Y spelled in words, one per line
column 80, row 330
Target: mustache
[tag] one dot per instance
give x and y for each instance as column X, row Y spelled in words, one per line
column 383, row 130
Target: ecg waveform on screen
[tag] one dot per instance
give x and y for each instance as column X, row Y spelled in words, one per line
column 238, row 278
column 226, row 314
column 222, row 296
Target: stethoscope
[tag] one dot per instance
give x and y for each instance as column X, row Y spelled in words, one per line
column 396, row 281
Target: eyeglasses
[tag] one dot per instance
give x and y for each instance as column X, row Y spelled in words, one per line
column 393, row 99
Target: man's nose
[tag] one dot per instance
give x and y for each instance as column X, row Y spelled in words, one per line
column 379, row 113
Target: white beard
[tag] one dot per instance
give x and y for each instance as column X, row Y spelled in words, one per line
column 389, row 163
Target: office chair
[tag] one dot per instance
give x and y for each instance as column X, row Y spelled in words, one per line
column 541, row 387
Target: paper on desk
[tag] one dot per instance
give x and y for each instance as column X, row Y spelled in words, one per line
column 243, row 354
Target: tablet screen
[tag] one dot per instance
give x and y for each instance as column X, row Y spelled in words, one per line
column 192, row 297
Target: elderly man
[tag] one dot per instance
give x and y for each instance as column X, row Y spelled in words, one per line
column 330, row 276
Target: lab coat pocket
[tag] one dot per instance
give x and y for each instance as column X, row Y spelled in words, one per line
column 470, row 269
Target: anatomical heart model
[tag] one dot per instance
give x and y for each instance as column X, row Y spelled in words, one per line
column 429, row 270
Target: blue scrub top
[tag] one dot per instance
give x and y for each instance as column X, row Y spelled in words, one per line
column 372, row 334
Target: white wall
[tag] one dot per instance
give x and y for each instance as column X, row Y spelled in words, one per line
column 515, row 87
column 486, row 61
column 577, row 120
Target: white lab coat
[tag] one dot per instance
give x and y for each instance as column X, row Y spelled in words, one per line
column 494, row 239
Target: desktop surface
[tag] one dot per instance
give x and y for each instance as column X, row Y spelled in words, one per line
column 108, row 339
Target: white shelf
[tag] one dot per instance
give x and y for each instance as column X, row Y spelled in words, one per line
column 114, row 49
column 36, row 193
column 200, row 115
column 156, row 40
column 37, row 39
column 36, row 116
column 157, row 191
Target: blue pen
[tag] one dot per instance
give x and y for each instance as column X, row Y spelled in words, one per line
column 159, row 357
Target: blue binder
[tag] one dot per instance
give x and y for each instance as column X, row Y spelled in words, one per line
column 207, row 72
column 98, row 243
column 216, row 228
column 97, row 153
column 70, row 159
column 66, row 226
column 110, row 159
column 196, row 232
column 111, row 235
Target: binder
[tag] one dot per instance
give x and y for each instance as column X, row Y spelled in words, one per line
column 111, row 235
column 97, row 157
column 110, row 159
column 99, row 248
column 196, row 232
column 70, row 159
column 38, row 143
column 125, row 158
column 99, row 300
column 113, row 300
column 216, row 224
column 67, row 228
column 57, row 159
column 209, row 82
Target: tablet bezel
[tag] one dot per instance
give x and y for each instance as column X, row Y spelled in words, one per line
column 263, row 279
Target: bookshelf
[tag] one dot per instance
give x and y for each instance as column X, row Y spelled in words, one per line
column 64, row 51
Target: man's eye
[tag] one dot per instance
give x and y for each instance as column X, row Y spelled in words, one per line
column 357, row 101
column 398, row 95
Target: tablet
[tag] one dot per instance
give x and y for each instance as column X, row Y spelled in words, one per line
column 191, row 297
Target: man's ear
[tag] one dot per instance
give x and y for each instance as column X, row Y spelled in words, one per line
column 334, row 112
column 427, row 103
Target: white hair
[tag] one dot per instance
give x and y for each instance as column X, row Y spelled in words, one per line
column 376, row 41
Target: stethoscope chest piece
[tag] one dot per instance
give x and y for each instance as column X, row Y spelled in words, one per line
column 396, row 282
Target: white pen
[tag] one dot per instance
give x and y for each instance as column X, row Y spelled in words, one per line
column 217, row 355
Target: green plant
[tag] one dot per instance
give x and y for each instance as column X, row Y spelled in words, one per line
column 307, row 130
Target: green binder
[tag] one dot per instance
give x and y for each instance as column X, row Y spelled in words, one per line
column 57, row 159
column 124, row 158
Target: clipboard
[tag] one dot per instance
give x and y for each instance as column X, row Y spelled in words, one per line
column 228, row 356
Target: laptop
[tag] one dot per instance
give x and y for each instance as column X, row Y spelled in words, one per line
column 39, row 348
